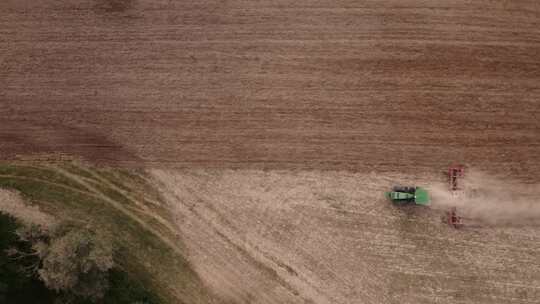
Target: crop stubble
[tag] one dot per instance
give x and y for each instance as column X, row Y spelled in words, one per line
column 331, row 237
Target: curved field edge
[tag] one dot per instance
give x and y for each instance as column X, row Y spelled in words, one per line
column 122, row 203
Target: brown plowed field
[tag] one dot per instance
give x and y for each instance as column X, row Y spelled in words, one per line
column 332, row 84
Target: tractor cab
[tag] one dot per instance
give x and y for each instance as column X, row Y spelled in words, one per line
column 403, row 195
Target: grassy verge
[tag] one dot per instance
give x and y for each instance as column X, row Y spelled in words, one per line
column 149, row 258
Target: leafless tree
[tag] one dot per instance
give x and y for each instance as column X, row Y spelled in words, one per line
column 77, row 261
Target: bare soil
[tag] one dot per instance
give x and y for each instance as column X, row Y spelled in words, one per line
column 387, row 91
column 375, row 85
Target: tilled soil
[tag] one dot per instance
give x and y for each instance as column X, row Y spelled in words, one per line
column 388, row 85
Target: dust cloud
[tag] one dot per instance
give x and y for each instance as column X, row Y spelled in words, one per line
column 486, row 199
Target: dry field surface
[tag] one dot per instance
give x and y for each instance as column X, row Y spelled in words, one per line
column 388, row 91
column 331, row 237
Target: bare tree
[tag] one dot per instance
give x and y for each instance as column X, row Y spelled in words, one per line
column 77, row 261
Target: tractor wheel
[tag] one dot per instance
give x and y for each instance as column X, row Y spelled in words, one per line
column 410, row 190
column 399, row 189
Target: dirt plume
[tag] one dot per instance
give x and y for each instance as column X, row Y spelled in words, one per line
column 491, row 200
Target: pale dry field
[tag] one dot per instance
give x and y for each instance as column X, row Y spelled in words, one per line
column 331, row 237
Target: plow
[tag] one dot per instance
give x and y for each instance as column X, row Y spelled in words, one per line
column 455, row 174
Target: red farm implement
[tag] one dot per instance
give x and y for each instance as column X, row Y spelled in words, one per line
column 453, row 219
column 455, row 173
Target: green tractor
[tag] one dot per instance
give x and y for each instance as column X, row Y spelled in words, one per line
column 403, row 195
